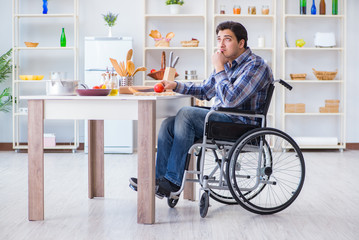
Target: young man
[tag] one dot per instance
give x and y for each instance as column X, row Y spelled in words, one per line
column 240, row 80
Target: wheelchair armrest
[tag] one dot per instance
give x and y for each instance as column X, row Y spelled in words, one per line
column 235, row 110
column 202, row 107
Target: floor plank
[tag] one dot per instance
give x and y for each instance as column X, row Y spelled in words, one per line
column 327, row 208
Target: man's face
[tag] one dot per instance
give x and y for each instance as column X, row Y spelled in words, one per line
column 227, row 43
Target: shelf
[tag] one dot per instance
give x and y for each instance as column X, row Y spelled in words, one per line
column 175, row 48
column 44, row 48
column 30, row 81
column 320, row 147
column 312, row 16
column 174, row 15
column 312, row 49
column 56, row 147
column 44, row 15
column 314, row 81
column 243, row 16
column 256, row 49
column 313, row 114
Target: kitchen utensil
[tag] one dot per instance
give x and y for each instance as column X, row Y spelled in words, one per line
column 158, row 75
column 93, row 92
column 170, row 59
column 61, row 87
column 139, row 69
column 129, row 55
column 117, row 67
column 174, row 63
column 130, row 67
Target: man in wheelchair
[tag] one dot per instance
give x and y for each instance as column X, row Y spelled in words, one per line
column 240, row 80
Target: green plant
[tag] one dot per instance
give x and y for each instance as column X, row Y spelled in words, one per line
column 110, row 19
column 170, row 2
column 5, row 70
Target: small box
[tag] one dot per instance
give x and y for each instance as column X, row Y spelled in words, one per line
column 329, row 109
column 298, row 76
column 49, row 140
column 295, row 108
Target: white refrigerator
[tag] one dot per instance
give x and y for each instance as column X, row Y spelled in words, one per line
column 118, row 133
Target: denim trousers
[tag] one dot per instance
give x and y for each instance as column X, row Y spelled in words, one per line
column 177, row 134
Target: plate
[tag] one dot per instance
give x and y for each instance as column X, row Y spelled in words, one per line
column 93, row 92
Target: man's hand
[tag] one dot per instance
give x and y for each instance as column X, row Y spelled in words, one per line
column 218, row 61
column 169, row 84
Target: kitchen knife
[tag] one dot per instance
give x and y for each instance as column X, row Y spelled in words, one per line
column 170, row 59
column 175, row 61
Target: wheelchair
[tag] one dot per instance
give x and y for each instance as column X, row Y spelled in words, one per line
column 260, row 168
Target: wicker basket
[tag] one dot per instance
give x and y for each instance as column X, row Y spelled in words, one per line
column 192, row 43
column 299, row 76
column 31, row 44
column 324, row 75
column 158, row 75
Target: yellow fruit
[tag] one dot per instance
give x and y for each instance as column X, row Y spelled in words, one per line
column 300, row 43
column 103, row 86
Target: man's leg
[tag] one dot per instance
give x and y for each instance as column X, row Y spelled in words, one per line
column 188, row 126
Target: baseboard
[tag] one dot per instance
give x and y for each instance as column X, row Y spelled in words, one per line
column 8, row 147
column 353, row 146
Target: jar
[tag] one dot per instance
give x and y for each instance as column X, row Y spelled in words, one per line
column 265, row 10
column 126, row 81
column 236, row 9
column 261, row 43
column 222, row 9
column 252, row 10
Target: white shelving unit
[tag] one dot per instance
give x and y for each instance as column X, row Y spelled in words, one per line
column 26, row 25
column 256, row 25
column 190, row 23
column 312, row 124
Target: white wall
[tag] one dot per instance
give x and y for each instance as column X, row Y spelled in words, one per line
column 130, row 23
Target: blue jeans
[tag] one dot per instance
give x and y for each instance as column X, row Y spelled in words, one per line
column 176, row 136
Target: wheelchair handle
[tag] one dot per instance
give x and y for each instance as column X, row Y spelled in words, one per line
column 284, row 83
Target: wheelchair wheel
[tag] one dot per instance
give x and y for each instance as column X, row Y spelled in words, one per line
column 266, row 171
column 172, row 202
column 204, row 205
column 211, row 168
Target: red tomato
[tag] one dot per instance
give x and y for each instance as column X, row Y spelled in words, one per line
column 96, row 87
column 159, row 88
column 153, row 70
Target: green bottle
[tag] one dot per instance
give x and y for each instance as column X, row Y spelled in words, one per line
column 335, row 7
column 63, row 38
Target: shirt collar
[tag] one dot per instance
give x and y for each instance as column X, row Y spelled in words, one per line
column 239, row 59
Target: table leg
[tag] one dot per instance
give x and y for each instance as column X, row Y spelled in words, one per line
column 96, row 158
column 146, row 161
column 36, row 159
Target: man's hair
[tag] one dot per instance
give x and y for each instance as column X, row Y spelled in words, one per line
column 238, row 29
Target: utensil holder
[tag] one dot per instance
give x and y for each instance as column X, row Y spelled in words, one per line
column 126, row 81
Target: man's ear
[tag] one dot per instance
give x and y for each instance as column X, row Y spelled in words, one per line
column 241, row 43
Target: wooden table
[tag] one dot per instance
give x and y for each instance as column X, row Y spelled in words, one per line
column 145, row 109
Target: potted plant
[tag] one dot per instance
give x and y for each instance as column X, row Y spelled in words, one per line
column 5, row 70
column 110, row 20
column 174, row 5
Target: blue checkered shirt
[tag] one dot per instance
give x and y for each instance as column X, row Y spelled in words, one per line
column 243, row 86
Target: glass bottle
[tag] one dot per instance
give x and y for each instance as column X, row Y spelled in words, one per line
column 314, row 9
column 335, row 7
column 303, row 6
column 63, row 38
column 322, row 7
column 44, row 7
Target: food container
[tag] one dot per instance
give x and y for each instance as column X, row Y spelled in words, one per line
column 252, row 10
column 265, row 10
column 236, row 9
column 61, row 87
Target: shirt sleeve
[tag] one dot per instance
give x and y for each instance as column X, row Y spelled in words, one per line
column 248, row 82
column 204, row 91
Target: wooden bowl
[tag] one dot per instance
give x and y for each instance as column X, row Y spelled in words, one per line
column 31, row 44
column 158, row 75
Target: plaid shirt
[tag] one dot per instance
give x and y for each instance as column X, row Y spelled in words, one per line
column 242, row 85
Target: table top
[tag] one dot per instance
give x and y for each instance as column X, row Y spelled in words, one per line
column 119, row 97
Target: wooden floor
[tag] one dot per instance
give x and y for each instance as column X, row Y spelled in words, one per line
column 327, row 208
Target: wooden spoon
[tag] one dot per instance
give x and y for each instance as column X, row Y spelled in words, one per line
column 123, row 67
column 116, row 67
column 129, row 55
column 139, row 69
column 130, row 68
